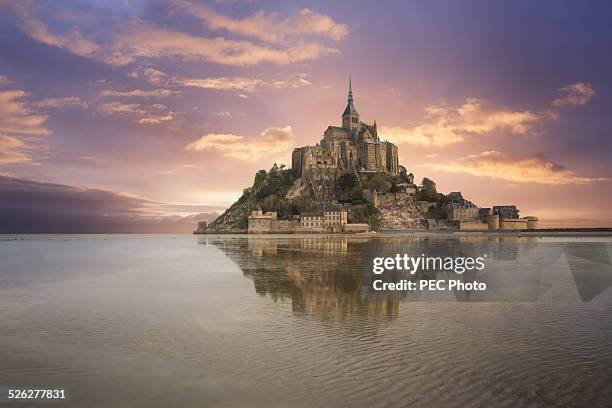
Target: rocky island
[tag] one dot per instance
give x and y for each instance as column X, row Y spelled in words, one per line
column 351, row 181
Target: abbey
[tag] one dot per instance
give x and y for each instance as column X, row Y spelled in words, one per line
column 354, row 147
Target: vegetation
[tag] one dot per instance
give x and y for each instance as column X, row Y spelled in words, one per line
column 366, row 214
column 405, row 176
column 427, row 192
column 275, row 182
column 347, row 182
column 436, row 213
column 270, row 193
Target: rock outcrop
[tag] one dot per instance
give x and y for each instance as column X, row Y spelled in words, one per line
column 403, row 214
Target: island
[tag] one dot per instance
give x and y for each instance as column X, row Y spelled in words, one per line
column 352, row 182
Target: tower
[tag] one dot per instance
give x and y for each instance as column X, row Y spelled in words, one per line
column 350, row 117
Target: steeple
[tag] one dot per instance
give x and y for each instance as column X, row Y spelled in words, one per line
column 350, row 117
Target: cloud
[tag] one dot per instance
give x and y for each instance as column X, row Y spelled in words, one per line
column 269, row 27
column 220, row 83
column 576, row 94
column 36, row 207
column 123, row 108
column 222, row 114
column 288, row 40
column 142, row 40
column 21, row 125
column 154, row 93
column 445, row 125
column 13, row 150
column 427, row 135
column 156, row 119
column 533, row 169
column 298, row 82
column 151, row 75
column 70, row 101
column 271, row 140
column 154, row 114
column 18, row 118
column 5, row 80
column 157, row 77
column 478, row 116
column 73, row 41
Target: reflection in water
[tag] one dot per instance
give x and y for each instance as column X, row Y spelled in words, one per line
column 332, row 275
column 163, row 321
column 317, row 274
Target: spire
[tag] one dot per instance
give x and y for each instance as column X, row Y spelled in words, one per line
column 350, row 108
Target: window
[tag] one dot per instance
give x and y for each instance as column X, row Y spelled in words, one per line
column 354, row 120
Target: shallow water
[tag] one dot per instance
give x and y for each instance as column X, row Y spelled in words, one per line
column 238, row 321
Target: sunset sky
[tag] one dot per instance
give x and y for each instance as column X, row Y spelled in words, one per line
column 134, row 111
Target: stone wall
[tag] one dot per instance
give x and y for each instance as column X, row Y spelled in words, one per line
column 461, row 213
column 473, row 225
column 354, row 228
column 390, row 198
column 512, row 224
column 260, row 225
column 284, row 227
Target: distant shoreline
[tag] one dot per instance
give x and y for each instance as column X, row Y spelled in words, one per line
column 543, row 232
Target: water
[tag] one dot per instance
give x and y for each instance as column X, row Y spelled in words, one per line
column 237, row 321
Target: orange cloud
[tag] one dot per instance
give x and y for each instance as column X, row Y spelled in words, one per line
column 576, row 94
column 426, row 135
column 143, row 114
column 289, row 40
column 156, row 119
column 18, row 118
column 223, row 114
column 12, row 150
column 141, row 40
column 157, row 77
column 534, row 169
column 21, row 124
column 445, row 125
column 154, row 93
column 220, row 83
column 269, row 27
column 69, row 101
column 271, row 140
column 122, row 108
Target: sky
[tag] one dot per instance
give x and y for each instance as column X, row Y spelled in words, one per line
column 143, row 116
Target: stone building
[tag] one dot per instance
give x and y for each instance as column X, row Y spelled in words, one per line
column 330, row 220
column 268, row 222
column 509, row 212
column 261, row 222
column 462, row 211
column 355, row 147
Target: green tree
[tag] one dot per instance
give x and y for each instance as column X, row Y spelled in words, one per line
column 379, row 183
column 405, row 176
column 436, row 213
column 427, row 184
column 270, row 203
column 260, row 177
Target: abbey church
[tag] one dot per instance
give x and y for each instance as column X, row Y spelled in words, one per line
column 354, row 147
